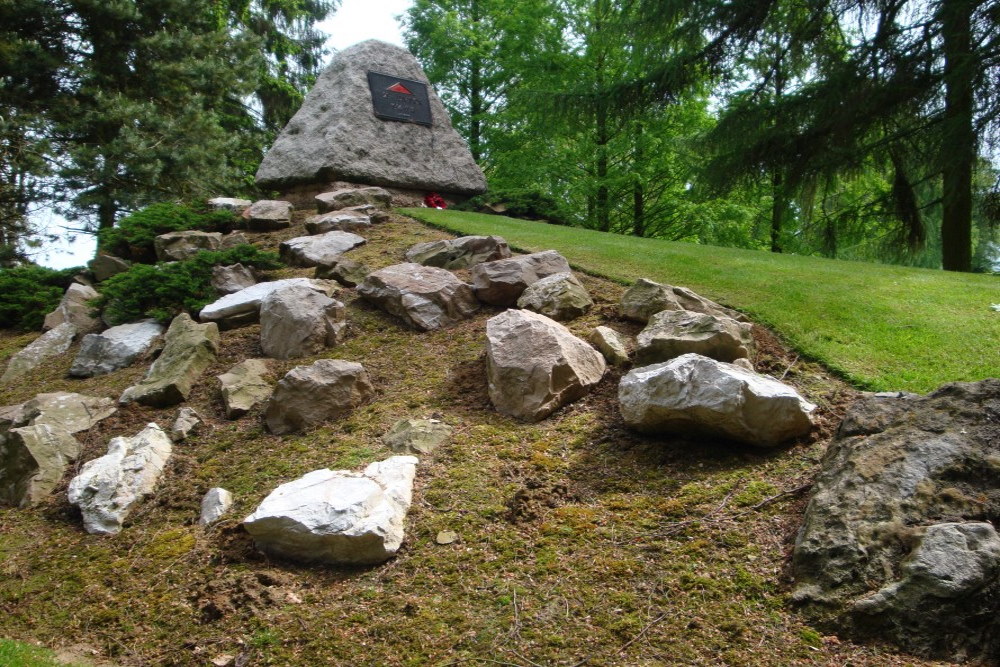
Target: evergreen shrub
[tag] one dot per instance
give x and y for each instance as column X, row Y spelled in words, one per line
column 524, row 203
column 133, row 237
column 28, row 293
column 163, row 290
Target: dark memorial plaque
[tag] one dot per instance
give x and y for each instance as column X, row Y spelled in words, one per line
column 394, row 98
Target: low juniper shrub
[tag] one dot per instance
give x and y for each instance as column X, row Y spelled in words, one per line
column 132, row 238
column 28, row 293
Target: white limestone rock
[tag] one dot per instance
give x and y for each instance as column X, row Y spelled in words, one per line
column 50, row 344
column 247, row 301
column 310, row 395
column 116, row 348
column 214, row 505
column 424, row 297
column 535, row 366
column 692, row 394
column 109, row 487
column 337, row 221
column 299, row 322
column 319, row 250
column 337, row 517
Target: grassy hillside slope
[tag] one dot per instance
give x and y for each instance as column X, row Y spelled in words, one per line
column 883, row 327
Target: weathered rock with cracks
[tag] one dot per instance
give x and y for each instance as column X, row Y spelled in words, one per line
column 535, row 366
column 109, row 487
column 246, row 303
column 75, row 308
column 611, row 344
column 233, row 278
column 33, row 460
column 178, row 246
column 646, row 298
column 244, row 386
column 69, row 411
column 337, row 516
column 417, row 436
column 352, row 197
column 424, row 297
column 336, row 135
column 268, row 215
column 459, row 253
column 115, row 348
column 52, row 343
column 310, row 395
column 337, row 221
column 299, row 322
column 560, row 296
column 319, row 250
column 671, row 333
column 214, row 505
column 188, row 350
column 894, row 544
column 345, row 271
column 187, row 423
column 695, row 395
column 501, row 282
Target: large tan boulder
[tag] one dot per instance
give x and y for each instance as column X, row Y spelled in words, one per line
column 560, row 296
column 299, row 322
column 501, row 282
column 245, row 386
column 310, row 395
column 32, row 462
column 75, row 308
column 178, row 246
column 671, row 333
column 459, row 253
column 645, row 298
column 535, row 366
column 424, row 297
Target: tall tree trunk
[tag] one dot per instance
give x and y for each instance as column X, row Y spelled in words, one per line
column 959, row 140
column 475, row 90
column 638, row 191
column 777, row 210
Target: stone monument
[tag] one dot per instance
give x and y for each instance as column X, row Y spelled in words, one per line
column 372, row 118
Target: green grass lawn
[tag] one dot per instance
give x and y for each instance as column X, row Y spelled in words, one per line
column 882, row 327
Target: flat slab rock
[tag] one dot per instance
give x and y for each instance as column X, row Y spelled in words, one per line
column 534, row 365
column 268, row 215
column 310, row 395
column 695, row 395
column 115, row 348
column 424, row 297
column 337, row 517
column 353, row 197
column 247, row 301
column 319, row 250
column 500, row 283
column 894, row 545
column 459, row 253
column 336, row 135
column 109, row 487
column 52, row 343
column 337, row 222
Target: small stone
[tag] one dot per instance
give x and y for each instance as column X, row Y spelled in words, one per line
column 446, row 537
column 611, row 344
column 244, row 386
column 224, row 660
column 50, row 344
column 349, row 197
column 417, row 436
column 215, row 504
column 186, row 423
column 320, row 250
column 268, row 215
column 559, row 296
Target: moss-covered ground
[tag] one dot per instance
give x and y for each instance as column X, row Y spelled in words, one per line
column 579, row 543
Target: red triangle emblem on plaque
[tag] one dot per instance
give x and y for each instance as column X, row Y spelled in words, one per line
column 399, row 88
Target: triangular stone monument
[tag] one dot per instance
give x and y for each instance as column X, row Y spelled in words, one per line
column 372, row 118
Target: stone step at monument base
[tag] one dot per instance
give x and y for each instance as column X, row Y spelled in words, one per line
column 303, row 196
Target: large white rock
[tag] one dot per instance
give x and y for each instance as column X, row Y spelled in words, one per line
column 319, row 250
column 459, row 253
column 501, row 282
column 247, row 301
column 75, row 308
column 52, row 343
column 671, row 333
column 535, row 365
column 696, row 395
column 108, row 488
column 299, row 322
column 115, row 348
column 424, row 297
column 310, row 395
column 335, row 135
column 337, row 516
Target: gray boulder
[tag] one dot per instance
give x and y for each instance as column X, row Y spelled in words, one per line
column 319, row 250
column 611, row 344
column 245, row 304
column 50, row 344
column 33, row 460
column 337, row 222
column 310, row 395
column 336, row 135
column 187, row 423
column 188, row 350
column 501, row 283
column 894, row 544
column 109, row 487
column 345, row 271
column 299, row 322
column 560, row 296
column 75, row 309
column 424, row 297
column 115, row 348
column 375, row 214
column 417, row 436
column 695, row 395
column 178, row 246
column 104, row 266
column 534, row 365
column 245, row 386
column 459, row 253
column 352, row 197
column 231, row 279
column 237, row 206
column 671, row 333
column 336, row 516
column 646, row 298
column 268, row 215
column 214, row 505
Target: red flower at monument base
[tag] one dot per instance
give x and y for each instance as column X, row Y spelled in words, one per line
column 434, row 200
